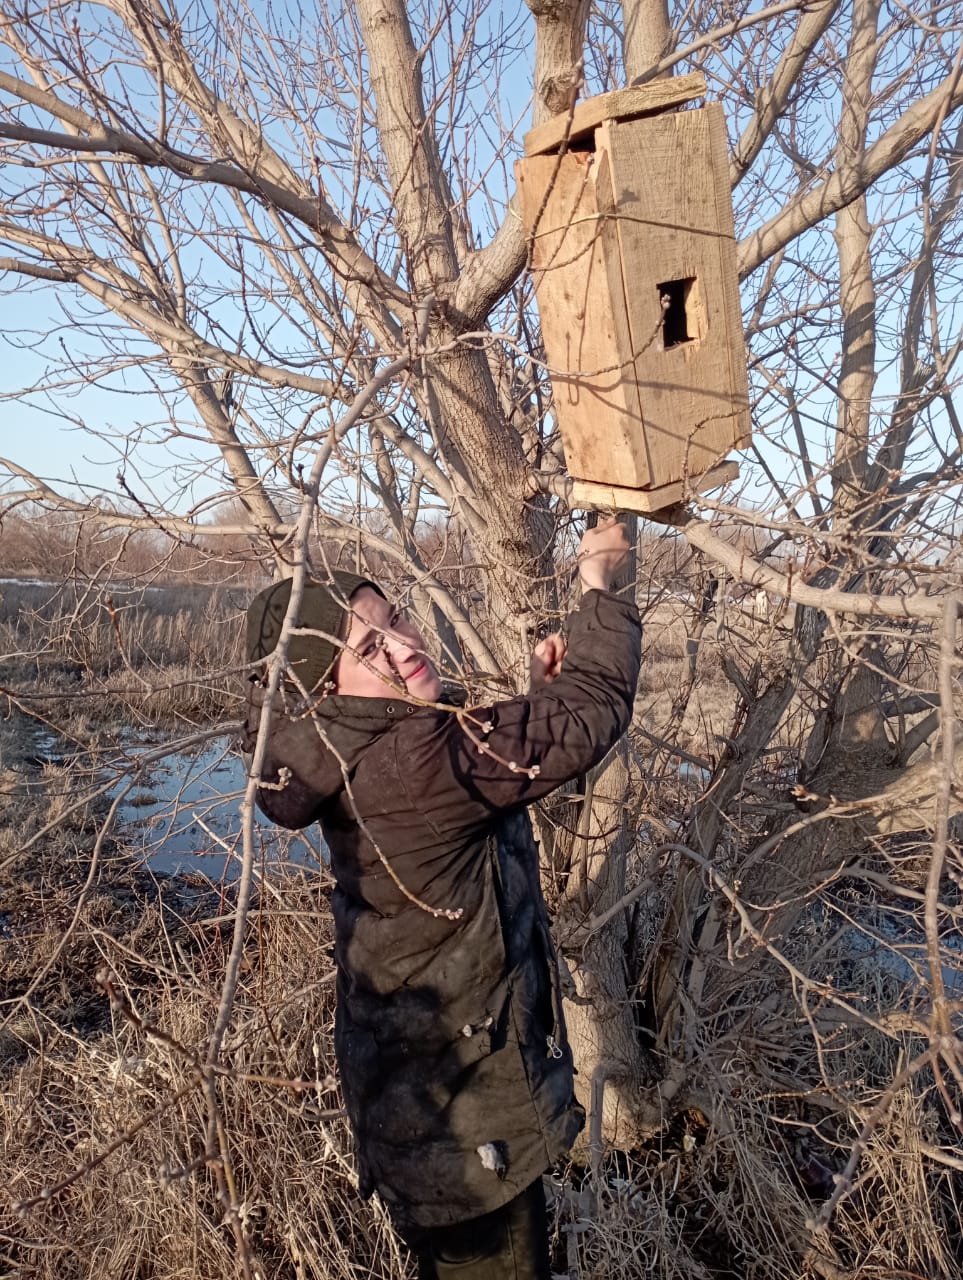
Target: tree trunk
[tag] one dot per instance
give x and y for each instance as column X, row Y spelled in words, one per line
column 592, row 939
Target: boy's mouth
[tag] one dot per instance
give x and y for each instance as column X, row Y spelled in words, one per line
column 420, row 670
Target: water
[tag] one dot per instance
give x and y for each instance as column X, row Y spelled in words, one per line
column 896, row 945
column 183, row 814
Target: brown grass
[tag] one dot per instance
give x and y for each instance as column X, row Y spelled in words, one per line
column 141, row 656
column 151, row 1206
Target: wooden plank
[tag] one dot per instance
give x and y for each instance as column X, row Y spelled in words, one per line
column 729, row 274
column 586, row 495
column 618, row 105
column 669, row 208
column 565, row 205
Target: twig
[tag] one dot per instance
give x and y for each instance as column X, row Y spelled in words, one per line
column 22, row 1207
column 931, row 918
column 844, row 1180
column 276, row 667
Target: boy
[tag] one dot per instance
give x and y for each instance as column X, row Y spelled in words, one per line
column 451, row 1045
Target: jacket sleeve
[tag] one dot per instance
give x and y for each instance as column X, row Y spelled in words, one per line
column 565, row 728
column 293, row 745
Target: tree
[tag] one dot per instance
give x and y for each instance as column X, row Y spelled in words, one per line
column 301, row 243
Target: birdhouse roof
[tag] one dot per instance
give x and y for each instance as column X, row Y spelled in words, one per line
column 620, row 104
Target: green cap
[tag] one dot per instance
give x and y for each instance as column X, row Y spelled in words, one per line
column 322, row 609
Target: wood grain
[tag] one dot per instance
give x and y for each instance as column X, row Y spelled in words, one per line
column 566, row 205
column 618, row 105
column 694, row 395
column 646, row 215
column 586, row 495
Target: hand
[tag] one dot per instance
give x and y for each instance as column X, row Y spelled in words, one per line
column 547, row 659
column 601, row 553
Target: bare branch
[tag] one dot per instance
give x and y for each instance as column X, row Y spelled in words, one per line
column 746, row 569
column 717, row 36
column 771, row 98
column 846, row 183
column 311, row 209
column 559, row 42
column 421, row 193
column 173, row 336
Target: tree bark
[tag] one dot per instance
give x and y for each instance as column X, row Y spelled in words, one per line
column 853, row 237
column 648, row 36
column 599, row 1013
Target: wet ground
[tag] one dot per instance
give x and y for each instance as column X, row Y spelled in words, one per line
column 25, row 744
column 177, row 814
column 183, row 814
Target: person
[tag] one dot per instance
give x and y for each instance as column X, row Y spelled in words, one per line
column 450, row 1039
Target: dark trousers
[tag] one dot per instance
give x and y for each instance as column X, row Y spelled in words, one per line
column 511, row 1243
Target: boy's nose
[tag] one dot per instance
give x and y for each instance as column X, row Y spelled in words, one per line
column 398, row 648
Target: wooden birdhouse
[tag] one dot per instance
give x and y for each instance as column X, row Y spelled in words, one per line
column 627, row 208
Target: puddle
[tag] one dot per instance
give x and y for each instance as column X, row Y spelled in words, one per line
column 183, row 814
column 897, row 947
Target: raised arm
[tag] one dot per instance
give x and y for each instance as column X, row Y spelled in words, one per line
column 563, row 728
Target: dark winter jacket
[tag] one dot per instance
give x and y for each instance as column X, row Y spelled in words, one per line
column 451, row 1045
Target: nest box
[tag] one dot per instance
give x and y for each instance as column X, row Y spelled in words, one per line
column 626, row 204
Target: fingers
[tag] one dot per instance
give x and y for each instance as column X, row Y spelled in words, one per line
column 547, row 658
column 602, row 552
column 608, row 533
column 552, row 649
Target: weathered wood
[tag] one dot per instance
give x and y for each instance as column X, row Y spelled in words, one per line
column 586, row 495
column 675, row 226
column 731, row 305
column 633, row 262
column 567, row 201
column 620, row 104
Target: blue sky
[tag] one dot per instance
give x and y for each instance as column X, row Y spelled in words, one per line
column 85, row 443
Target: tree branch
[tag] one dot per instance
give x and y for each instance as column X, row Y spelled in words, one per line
column 846, row 183
column 488, row 274
column 559, row 45
column 746, row 569
column 175, row 337
column 422, row 196
column 716, row 36
column 772, row 98
column 94, row 138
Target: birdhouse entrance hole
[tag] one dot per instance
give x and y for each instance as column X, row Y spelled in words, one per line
column 678, row 320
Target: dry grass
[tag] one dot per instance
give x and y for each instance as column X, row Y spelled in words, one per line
column 140, row 655
column 734, row 634
column 151, row 1207
column 701, row 1203
column 79, row 1072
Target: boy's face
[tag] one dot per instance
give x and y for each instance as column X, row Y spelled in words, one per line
column 384, row 652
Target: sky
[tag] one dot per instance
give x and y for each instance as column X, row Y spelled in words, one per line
column 81, row 456
column 84, row 447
